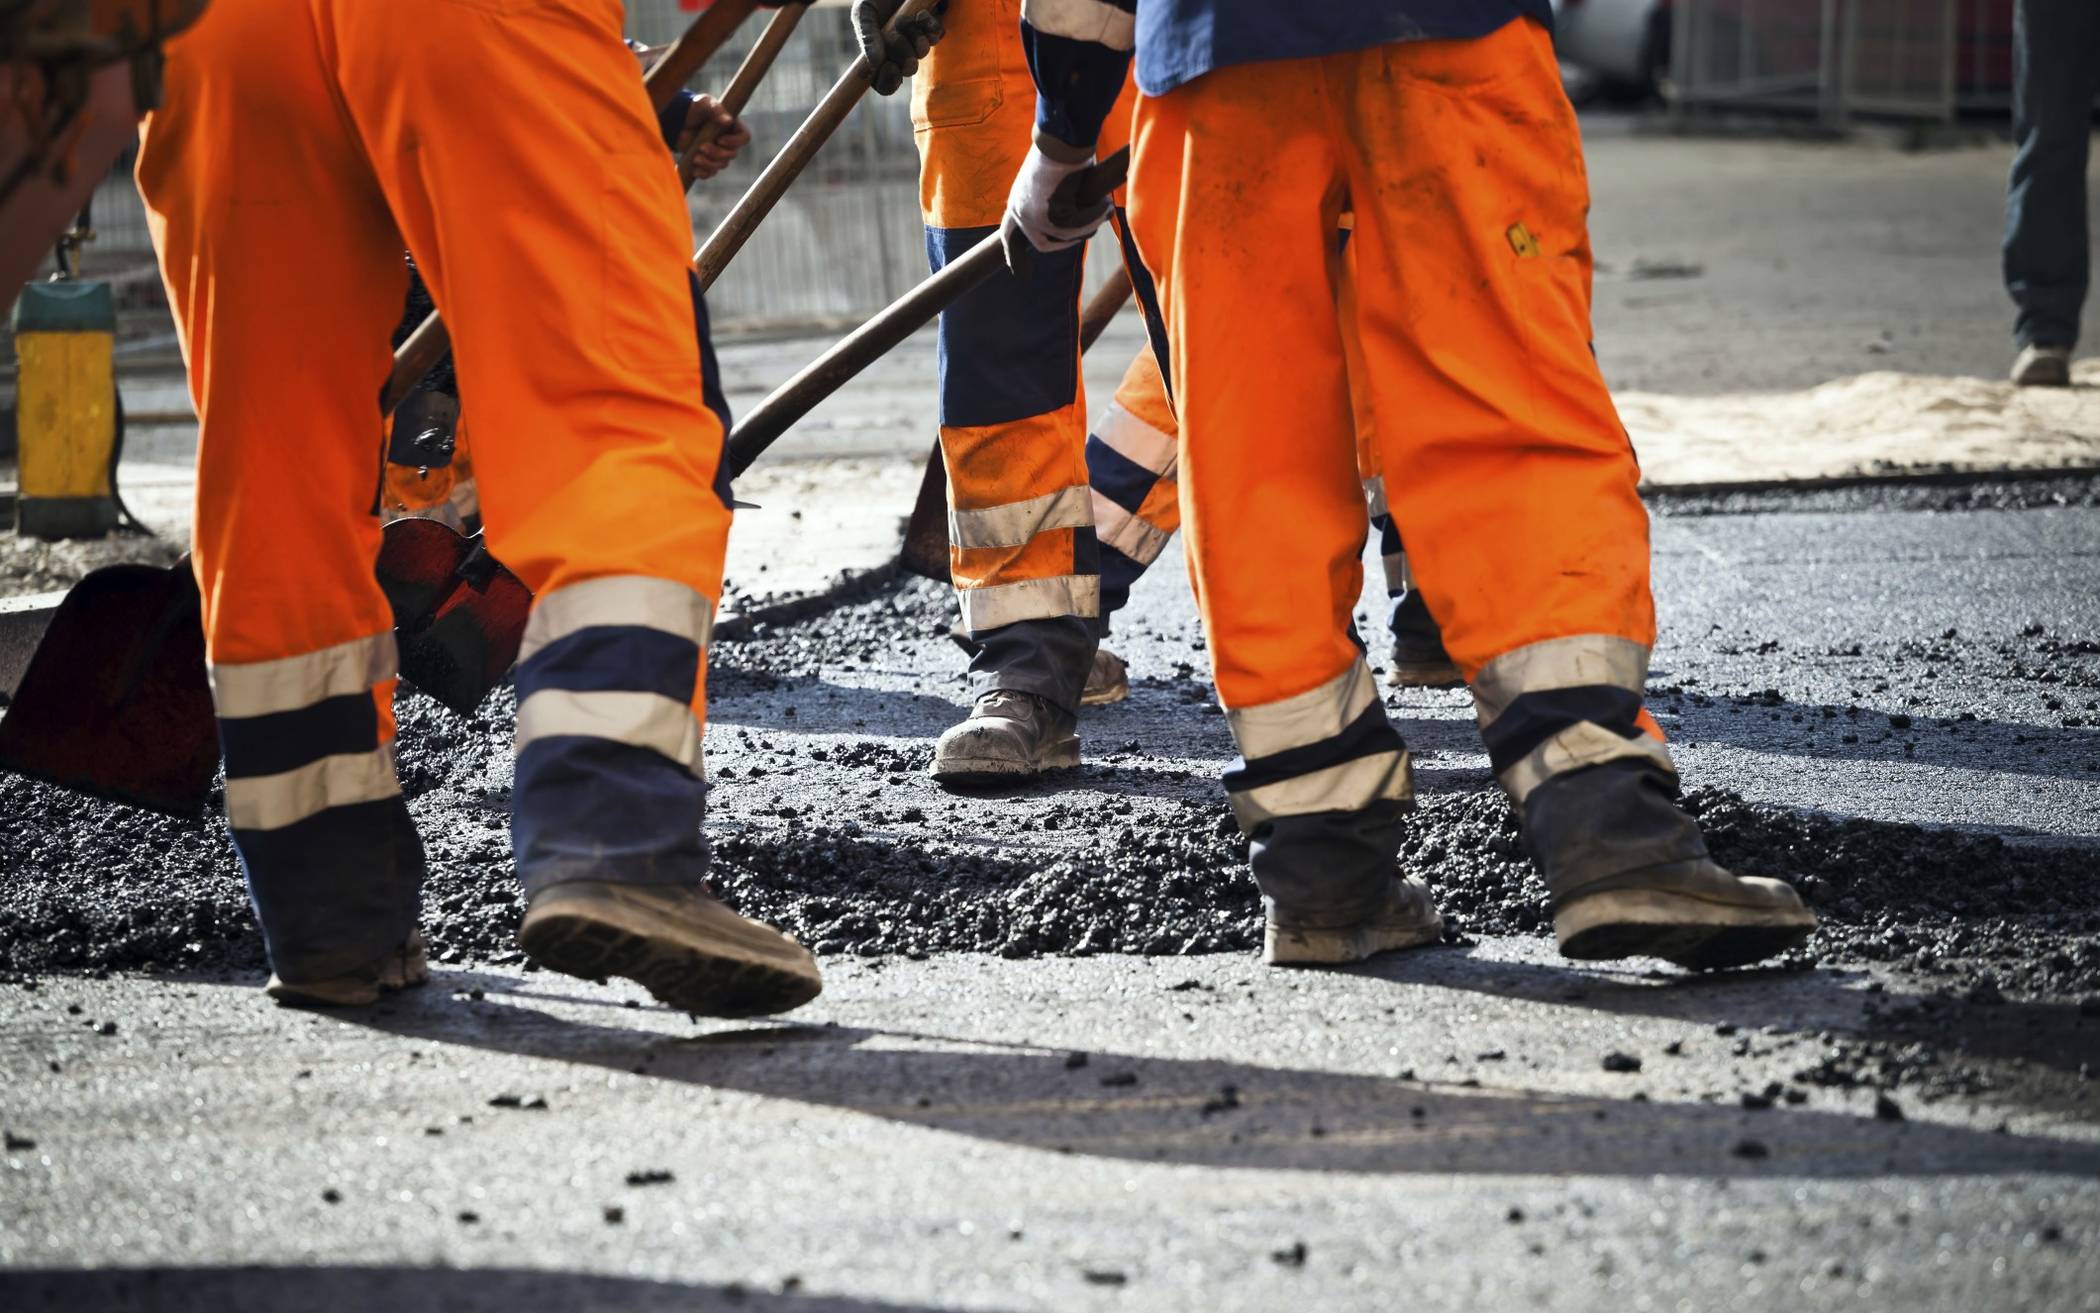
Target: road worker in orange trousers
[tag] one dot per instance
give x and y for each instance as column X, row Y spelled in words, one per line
column 430, row 467
column 1131, row 457
column 1012, row 418
column 1442, row 126
column 300, row 145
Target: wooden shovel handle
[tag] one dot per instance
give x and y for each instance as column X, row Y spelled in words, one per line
column 754, row 68
column 765, row 192
column 907, row 315
column 1103, row 306
column 421, row 351
column 696, row 46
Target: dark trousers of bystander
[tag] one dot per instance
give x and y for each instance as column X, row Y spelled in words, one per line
column 2055, row 78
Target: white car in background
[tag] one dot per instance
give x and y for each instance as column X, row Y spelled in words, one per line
column 1618, row 47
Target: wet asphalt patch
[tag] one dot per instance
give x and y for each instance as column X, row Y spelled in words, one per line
column 836, row 836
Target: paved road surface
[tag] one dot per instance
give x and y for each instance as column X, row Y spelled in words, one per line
column 1435, row 1131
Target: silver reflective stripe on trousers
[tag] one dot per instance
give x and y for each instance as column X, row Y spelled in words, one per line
column 1031, row 599
column 1306, row 718
column 1128, row 532
column 1137, row 442
column 1309, row 718
column 1015, row 523
column 623, row 600
column 264, row 688
column 1577, row 661
column 642, row 720
column 1351, row 786
column 271, row 802
column 1582, row 744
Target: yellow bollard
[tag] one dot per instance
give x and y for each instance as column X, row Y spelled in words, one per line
column 65, row 410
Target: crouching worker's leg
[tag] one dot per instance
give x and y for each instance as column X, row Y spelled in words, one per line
column 574, row 320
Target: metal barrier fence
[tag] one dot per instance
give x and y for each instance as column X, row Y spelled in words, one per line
column 845, row 241
column 1836, row 59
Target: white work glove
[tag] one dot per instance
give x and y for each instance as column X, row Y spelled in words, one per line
column 1044, row 205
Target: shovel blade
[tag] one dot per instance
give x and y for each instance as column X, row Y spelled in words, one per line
column 458, row 616
column 925, row 550
column 115, row 701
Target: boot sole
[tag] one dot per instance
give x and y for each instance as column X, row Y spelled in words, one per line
column 713, row 970
column 344, row 992
column 1691, row 932
column 1283, row 946
column 1002, row 770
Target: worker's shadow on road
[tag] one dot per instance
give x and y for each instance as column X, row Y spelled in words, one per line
column 814, row 704
column 305, row 1289
column 1782, row 728
column 1218, row 1113
column 1775, row 1009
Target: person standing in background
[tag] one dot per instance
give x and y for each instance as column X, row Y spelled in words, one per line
column 2056, row 74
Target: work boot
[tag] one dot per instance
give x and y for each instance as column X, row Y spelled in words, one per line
column 2042, row 367
column 404, row 968
column 1009, row 736
column 1419, row 659
column 1107, row 680
column 1407, row 918
column 683, row 944
column 1630, row 876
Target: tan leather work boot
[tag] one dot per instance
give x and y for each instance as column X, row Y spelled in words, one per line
column 680, row 942
column 1009, row 737
column 1408, row 919
column 1107, row 680
column 404, row 968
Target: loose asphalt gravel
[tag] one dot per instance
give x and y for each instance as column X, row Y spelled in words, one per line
column 1814, row 737
column 1884, row 695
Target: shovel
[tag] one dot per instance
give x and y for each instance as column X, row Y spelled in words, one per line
column 115, row 701
column 925, row 551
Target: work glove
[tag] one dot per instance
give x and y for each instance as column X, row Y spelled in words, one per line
column 698, row 160
column 1045, row 209
column 894, row 56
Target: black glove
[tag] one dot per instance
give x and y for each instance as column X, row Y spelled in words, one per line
column 894, row 56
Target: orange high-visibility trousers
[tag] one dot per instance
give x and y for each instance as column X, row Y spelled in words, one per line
column 300, row 145
column 1012, row 402
column 1132, row 454
column 1505, row 466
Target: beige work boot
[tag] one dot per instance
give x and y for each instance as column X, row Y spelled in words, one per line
column 1107, row 680
column 1630, row 876
column 404, row 968
column 1419, row 659
column 680, row 942
column 1696, row 913
column 1407, row 920
column 1009, row 736
column 2042, row 367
